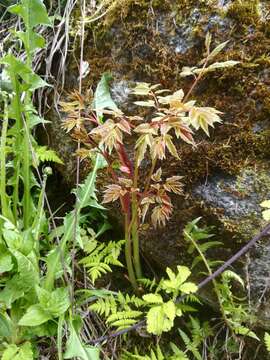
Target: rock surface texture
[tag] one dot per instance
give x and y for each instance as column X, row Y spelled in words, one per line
column 227, row 175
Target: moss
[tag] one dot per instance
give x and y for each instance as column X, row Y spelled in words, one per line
column 244, row 12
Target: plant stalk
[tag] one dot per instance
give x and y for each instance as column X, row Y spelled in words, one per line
column 26, row 165
column 3, row 194
column 135, row 225
column 128, row 255
column 16, row 152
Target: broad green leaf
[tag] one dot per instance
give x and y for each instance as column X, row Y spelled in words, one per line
column 87, row 191
column 10, row 352
column 175, row 281
column 33, row 13
column 16, row 66
column 183, row 273
column 24, row 281
column 5, row 82
column 153, row 298
column 35, row 315
column 54, row 303
column 14, row 352
column 5, row 262
column 28, row 270
column 5, row 326
column 267, row 341
column 36, row 120
column 242, row 330
column 12, row 291
column 31, row 40
column 102, row 97
column 160, row 318
column 75, row 347
column 188, row 288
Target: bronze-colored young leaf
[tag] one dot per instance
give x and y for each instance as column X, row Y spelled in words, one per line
column 160, row 215
column 158, row 148
column 145, row 203
column 170, row 146
column 183, row 132
column 146, row 128
column 142, row 88
column 157, row 175
column 72, row 122
column 108, row 135
column 174, row 185
column 142, row 143
column 177, row 96
column 113, row 193
column 203, row 117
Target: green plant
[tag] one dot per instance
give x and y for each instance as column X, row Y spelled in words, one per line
column 159, row 307
column 157, row 354
column 192, row 344
column 266, row 213
column 32, row 305
column 267, row 341
column 234, row 313
column 167, row 118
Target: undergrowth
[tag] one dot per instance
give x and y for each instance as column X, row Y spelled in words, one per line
column 49, row 305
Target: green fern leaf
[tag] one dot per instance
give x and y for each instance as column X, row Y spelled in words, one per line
column 123, row 315
column 44, row 154
column 267, row 341
column 242, row 330
column 231, row 275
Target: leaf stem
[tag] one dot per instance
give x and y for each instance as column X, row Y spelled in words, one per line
column 3, row 194
column 128, row 255
column 26, row 164
column 17, row 145
column 148, row 181
column 135, row 225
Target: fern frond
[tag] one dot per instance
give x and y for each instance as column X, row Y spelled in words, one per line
column 155, row 354
column 191, row 298
column 104, row 306
column 130, row 300
column 123, row 315
column 44, row 154
column 267, row 341
column 97, row 270
column 100, row 257
column 231, row 275
column 209, row 245
column 147, row 283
